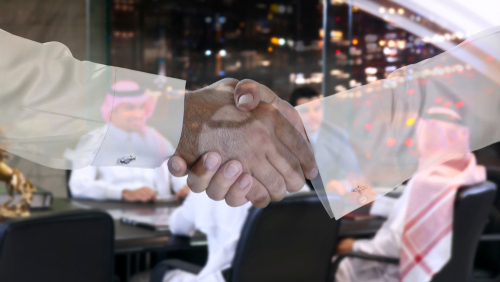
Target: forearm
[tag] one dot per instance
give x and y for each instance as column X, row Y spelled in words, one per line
column 50, row 102
column 381, row 118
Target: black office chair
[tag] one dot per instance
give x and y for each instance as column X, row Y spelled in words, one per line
column 76, row 246
column 472, row 206
column 291, row 240
column 487, row 264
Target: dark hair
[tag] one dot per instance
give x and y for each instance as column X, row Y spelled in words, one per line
column 302, row 92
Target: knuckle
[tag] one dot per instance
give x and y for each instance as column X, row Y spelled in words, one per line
column 258, row 196
column 275, row 184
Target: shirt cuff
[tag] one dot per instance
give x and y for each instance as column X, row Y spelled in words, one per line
column 114, row 194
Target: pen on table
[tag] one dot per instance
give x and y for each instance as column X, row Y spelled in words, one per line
column 137, row 224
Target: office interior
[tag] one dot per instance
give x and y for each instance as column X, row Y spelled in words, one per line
column 328, row 46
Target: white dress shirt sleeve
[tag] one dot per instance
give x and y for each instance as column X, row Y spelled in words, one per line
column 381, row 119
column 50, row 102
column 84, row 184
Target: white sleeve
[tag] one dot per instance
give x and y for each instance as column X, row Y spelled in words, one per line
column 84, row 184
column 50, row 102
column 178, row 182
column 380, row 120
column 182, row 220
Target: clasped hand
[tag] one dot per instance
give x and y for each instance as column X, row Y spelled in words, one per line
column 240, row 142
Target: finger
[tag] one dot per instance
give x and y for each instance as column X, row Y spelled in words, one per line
column 271, row 179
column 258, row 194
column 295, row 142
column 202, row 172
column 235, row 197
column 259, row 92
column 223, row 179
column 177, row 166
column 288, row 167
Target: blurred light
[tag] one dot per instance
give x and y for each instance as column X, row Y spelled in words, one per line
column 447, row 104
column 390, row 142
column 321, row 33
column 391, row 59
column 371, row 78
column 355, row 41
column 401, row 11
column 411, row 91
column 368, row 155
column 371, row 70
column 418, row 18
column 281, row 41
column 489, row 58
column 275, row 40
column 368, row 126
column 409, row 142
column 299, row 79
column 242, row 24
column 266, row 63
column 391, row 43
column 459, row 104
column 381, row 43
column 270, row 49
column 410, row 121
column 337, row 51
column 338, row 18
column 390, row 68
column 336, row 34
column 438, row 100
column 270, row 16
column 208, row 52
column 355, row 9
column 401, row 44
column 447, row 36
column 489, row 91
column 381, row 10
column 223, row 53
column 274, row 8
column 459, row 35
column 368, row 102
column 281, row 9
column 392, row 10
column 222, row 20
column 390, row 52
column 222, row 73
column 208, row 20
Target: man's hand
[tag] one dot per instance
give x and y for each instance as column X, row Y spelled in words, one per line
column 270, row 149
column 182, row 193
column 144, row 194
column 345, row 246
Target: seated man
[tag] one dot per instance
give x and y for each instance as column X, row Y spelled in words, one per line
column 321, row 136
column 132, row 107
column 424, row 212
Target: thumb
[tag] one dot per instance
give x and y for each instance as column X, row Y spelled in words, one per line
column 248, row 94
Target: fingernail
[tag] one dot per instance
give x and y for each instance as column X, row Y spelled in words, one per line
column 313, row 173
column 210, row 162
column 231, row 171
column 176, row 166
column 245, row 98
column 243, row 182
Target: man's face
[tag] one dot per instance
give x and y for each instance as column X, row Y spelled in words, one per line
column 311, row 114
column 129, row 116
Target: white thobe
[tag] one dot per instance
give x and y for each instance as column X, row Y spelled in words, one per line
column 387, row 243
column 220, row 223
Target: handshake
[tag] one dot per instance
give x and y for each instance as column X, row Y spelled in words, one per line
column 240, row 142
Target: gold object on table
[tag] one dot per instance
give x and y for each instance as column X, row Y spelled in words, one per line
column 15, row 182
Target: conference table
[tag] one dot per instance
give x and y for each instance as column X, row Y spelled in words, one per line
column 131, row 239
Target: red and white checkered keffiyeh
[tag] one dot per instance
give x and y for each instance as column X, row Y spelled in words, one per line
column 445, row 164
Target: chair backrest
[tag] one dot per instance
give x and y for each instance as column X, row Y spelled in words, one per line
column 291, row 240
column 493, row 175
column 472, row 207
column 75, row 246
column 68, row 177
